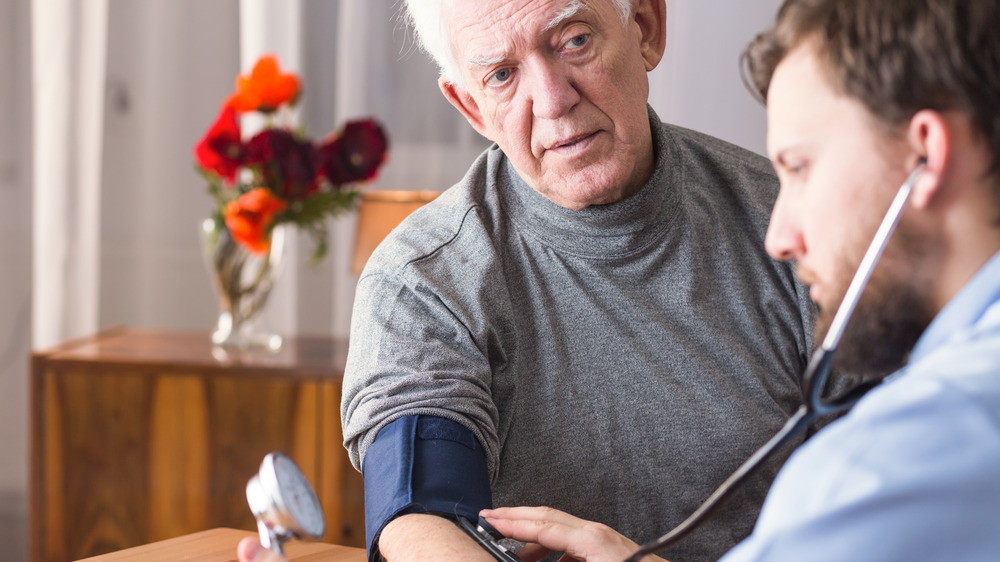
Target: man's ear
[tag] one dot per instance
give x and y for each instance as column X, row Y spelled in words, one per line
column 929, row 137
column 464, row 103
column 651, row 16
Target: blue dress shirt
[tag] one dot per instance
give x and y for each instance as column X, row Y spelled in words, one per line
column 913, row 472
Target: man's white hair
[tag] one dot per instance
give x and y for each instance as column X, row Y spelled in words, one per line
column 426, row 18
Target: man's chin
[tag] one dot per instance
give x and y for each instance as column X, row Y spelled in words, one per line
column 573, row 195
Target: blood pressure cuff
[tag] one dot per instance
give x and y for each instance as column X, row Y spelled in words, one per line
column 423, row 464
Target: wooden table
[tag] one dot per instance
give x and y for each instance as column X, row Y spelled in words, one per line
column 219, row 545
column 143, row 435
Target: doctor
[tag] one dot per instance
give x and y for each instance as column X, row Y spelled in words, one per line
column 858, row 92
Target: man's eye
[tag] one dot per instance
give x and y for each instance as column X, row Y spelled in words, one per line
column 499, row 77
column 578, row 41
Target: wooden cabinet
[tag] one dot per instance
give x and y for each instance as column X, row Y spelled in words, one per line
column 140, row 435
column 218, row 545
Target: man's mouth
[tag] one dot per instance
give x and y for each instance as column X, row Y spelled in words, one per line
column 572, row 144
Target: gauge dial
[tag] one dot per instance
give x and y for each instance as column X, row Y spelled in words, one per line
column 298, row 498
column 283, row 502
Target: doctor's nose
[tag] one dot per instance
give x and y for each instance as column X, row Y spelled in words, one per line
column 553, row 93
column 784, row 240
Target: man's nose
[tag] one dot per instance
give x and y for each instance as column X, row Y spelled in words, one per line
column 553, row 91
column 784, row 240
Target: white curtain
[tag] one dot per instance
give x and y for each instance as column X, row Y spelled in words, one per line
column 68, row 40
column 275, row 27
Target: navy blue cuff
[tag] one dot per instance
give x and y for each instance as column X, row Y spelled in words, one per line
column 423, row 464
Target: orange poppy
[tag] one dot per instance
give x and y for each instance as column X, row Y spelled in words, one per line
column 266, row 88
column 250, row 217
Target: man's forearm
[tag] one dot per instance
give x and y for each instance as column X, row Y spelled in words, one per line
column 422, row 537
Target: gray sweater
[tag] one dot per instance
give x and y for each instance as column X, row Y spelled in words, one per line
column 616, row 362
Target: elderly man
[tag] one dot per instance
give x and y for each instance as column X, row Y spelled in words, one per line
column 589, row 319
column 859, row 94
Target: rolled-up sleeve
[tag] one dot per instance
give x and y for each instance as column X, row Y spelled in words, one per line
column 412, row 354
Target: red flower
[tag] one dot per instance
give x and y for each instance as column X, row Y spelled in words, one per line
column 249, row 218
column 221, row 150
column 355, row 155
column 282, row 176
column 266, row 88
column 286, row 163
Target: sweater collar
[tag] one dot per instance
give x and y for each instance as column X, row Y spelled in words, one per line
column 600, row 231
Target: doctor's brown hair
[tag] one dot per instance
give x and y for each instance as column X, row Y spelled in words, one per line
column 896, row 57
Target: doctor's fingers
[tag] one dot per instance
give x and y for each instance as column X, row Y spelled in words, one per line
column 532, row 552
column 559, row 531
column 526, row 513
column 249, row 550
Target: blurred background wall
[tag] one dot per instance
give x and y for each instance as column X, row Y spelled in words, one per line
column 168, row 66
column 15, row 270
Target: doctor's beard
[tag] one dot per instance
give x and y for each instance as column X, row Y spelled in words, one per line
column 892, row 313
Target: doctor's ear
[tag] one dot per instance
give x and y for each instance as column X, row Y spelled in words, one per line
column 929, row 137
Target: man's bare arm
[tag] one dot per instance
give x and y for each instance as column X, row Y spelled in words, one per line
column 422, row 537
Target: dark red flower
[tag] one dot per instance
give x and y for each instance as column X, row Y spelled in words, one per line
column 286, row 163
column 221, row 150
column 355, row 155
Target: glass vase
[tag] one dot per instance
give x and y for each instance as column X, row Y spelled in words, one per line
column 243, row 283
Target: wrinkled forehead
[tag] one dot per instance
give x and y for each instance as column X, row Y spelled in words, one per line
column 483, row 30
column 502, row 9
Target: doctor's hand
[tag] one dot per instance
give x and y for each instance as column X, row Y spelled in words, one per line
column 250, row 550
column 554, row 530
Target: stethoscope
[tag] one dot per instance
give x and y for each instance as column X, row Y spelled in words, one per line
column 813, row 381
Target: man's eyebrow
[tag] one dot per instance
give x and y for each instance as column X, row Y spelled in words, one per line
column 486, row 60
column 574, row 7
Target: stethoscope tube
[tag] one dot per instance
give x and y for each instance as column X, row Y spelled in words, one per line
column 813, row 379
